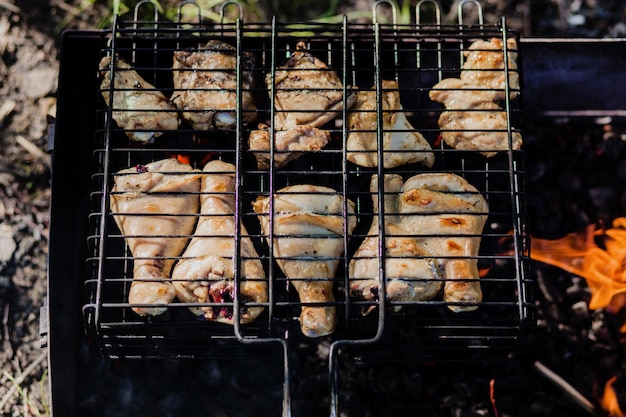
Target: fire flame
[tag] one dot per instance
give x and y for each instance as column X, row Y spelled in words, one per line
column 609, row 400
column 604, row 269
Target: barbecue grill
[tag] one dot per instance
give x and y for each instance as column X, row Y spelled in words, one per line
column 91, row 266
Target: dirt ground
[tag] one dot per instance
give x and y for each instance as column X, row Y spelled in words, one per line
column 28, row 75
column 29, row 45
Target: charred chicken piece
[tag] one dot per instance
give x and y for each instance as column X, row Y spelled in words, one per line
column 484, row 67
column 410, row 274
column 205, row 84
column 138, row 107
column 450, row 214
column 472, row 121
column 155, row 208
column 401, row 143
column 206, row 270
column 308, row 241
column 306, row 91
column 288, row 144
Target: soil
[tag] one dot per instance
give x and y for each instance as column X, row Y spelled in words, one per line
column 29, row 45
column 28, row 72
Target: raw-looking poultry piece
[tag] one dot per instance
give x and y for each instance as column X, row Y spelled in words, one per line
column 484, row 66
column 448, row 215
column 410, row 274
column 472, row 121
column 205, row 86
column 155, row 207
column 138, row 107
column 402, row 144
column 306, row 91
column 206, row 271
column 288, row 144
column 309, row 228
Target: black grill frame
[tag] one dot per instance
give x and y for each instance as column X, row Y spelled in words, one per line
column 119, row 332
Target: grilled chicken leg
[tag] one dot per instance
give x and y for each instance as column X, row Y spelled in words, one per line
column 308, row 229
column 401, row 143
column 154, row 207
column 205, row 84
column 138, row 107
column 411, row 275
column 453, row 212
column 205, row 273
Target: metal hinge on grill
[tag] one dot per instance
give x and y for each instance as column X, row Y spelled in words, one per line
column 50, row 133
column 43, row 325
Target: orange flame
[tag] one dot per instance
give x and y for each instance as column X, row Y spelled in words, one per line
column 183, row 159
column 610, row 403
column 604, row 269
column 187, row 159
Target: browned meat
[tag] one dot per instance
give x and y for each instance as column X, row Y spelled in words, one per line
column 306, row 91
column 205, row 84
column 138, row 107
column 307, row 95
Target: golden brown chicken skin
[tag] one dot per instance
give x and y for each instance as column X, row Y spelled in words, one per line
column 205, row 86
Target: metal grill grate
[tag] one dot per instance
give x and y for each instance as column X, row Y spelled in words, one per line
column 415, row 56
